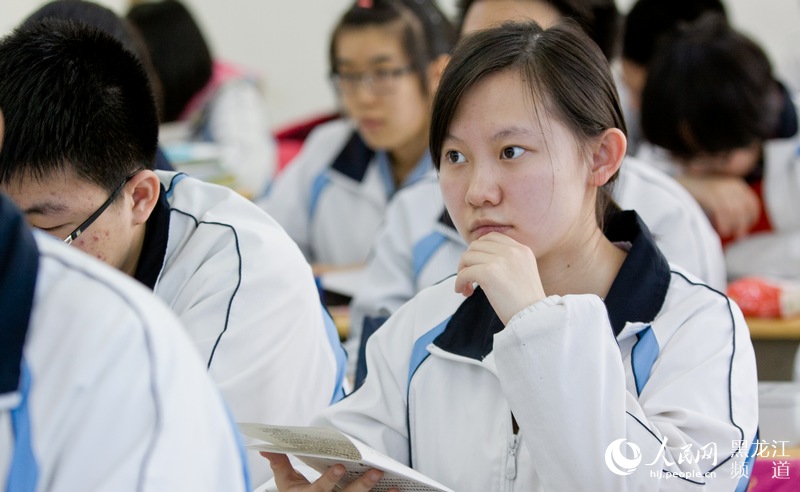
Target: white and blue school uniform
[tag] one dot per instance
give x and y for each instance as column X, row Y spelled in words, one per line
column 663, row 362
column 418, row 245
column 249, row 303
column 100, row 389
column 332, row 197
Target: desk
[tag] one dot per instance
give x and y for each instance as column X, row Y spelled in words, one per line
column 341, row 318
column 775, row 342
column 774, row 329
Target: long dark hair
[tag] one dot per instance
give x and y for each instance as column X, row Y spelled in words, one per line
column 567, row 73
column 178, row 50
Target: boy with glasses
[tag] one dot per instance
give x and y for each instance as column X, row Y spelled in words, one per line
column 80, row 142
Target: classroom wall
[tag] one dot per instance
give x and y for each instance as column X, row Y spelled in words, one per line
column 286, row 41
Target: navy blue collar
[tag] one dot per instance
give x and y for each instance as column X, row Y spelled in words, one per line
column 154, row 247
column 354, row 158
column 638, row 292
column 786, row 126
column 19, row 265
column 636, row 295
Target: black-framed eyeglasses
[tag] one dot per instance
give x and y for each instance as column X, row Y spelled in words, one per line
column 86, row 223
column 382, row 81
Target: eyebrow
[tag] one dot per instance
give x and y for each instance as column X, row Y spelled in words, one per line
column 512, row 131
column 45, row 208
column 375, row 60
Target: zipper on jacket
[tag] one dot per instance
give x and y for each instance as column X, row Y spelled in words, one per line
column 511, row 462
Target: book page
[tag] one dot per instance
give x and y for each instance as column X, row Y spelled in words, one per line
column 320, row 448
column 317, row 441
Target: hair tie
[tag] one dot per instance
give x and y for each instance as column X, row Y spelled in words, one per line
column 365, row 4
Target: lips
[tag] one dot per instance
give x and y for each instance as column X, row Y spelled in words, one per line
column 481, row 228
column 370, row 125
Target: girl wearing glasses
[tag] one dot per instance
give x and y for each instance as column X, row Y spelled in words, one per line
column 567, row 353
column 385, row 60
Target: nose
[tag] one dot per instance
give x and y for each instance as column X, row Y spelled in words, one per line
column 483, row 186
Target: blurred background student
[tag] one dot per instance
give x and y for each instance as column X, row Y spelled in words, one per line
column 385, row 60
column 729, row 131
column 645, row 24
column 215, row 102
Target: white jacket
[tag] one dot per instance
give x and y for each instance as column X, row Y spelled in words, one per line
column 331, row 198
column 665, row 359
column 416, row 247
column 248, row 300
column 110, row 394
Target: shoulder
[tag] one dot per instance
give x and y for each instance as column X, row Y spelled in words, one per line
column 205, row 214
column 95, row 305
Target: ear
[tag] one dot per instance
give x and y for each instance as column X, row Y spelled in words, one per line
column 144, row 189
column 435, row 70
column 607, row 154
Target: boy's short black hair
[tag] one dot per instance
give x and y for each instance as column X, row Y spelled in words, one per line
column 649, row 20
column 74, row 99
column 709, row 89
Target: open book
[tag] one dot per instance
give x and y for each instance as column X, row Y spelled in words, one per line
column 322, row 447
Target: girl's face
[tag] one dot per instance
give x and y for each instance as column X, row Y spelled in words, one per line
column 379, row 91
column 504, row 169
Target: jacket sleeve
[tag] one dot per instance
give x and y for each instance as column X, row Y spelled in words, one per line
column 561, row 370
column 775, row 254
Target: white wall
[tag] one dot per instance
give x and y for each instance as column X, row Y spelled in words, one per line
column 287, row 40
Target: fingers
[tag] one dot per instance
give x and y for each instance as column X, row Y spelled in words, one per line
column 286, row 477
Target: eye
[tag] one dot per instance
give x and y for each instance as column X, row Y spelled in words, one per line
column 512, row 152
column 454, row 156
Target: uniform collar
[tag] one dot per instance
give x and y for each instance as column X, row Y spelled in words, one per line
column 154, row 247
column 19, row 264
column 786, row 126
column 354, row 158
column 636, row 295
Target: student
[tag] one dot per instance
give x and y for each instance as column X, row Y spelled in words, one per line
column 645, row 25
column 80, row 136
column 107, row 21
column 417, row 245
column 385, row 60
column 730, row 133
column 561, row 341
column 221, row 103
column 99, row 387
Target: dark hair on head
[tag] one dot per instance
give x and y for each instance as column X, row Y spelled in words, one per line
column 74, row 99
column 89, row 13
column 567, row 73
column 649, row 20
column 426, row 32
column 599, row 18
column 710, row 89
column 178, row 50
column 107, row 21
